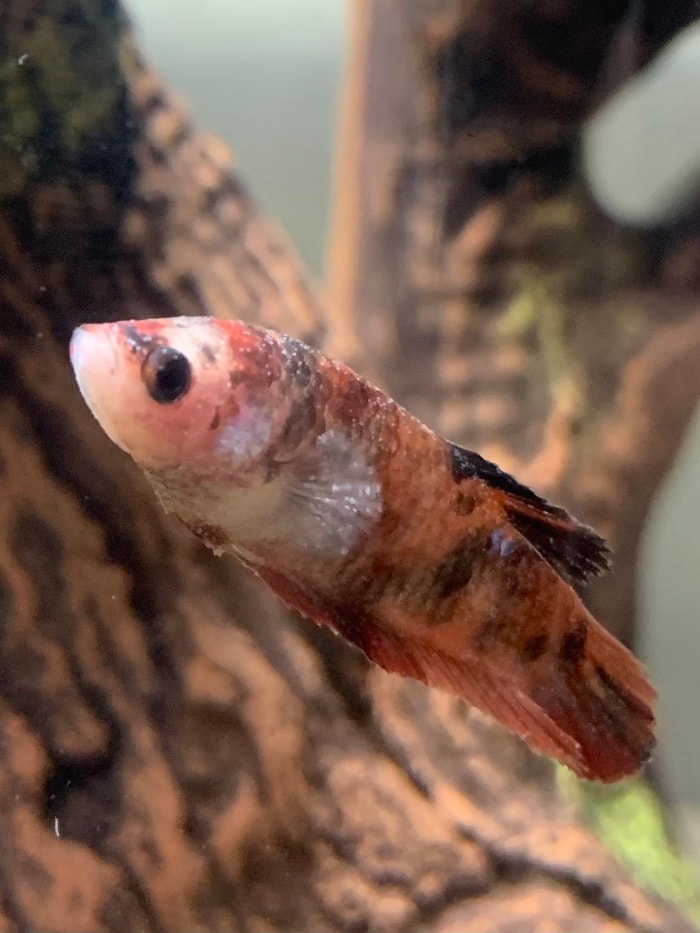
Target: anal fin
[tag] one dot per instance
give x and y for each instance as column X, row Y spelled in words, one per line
column 592, row 713
column 598, row 722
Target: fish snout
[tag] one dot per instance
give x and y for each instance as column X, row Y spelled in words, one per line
column 94, row 359
column 92, row 355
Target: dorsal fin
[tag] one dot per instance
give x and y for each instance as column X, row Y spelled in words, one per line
column 574, row 550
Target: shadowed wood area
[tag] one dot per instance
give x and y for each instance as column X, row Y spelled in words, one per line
column 178, row 754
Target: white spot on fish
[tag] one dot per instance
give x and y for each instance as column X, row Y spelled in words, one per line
column 246, row 436
column 56, row 828
column 23, row 59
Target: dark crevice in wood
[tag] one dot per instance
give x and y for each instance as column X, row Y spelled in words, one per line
column 519, row 868
column 345, row 669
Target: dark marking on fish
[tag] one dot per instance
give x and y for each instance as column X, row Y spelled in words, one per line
column 534, row 648
column 465, row 464
column 616, row 705
column 301, row 422
column 259, row 362
column 465, row 503
column 573, row 645
column 459, row 566
column 216, row 420
column 208, row 354
column 352, row 403
column 142, row 344
column 574, row 550
column 300, row 369
column 211, row 535
column 615, row 691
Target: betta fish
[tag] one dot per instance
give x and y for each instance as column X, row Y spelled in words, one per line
column 434, row 562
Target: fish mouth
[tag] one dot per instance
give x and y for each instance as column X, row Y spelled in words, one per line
column 93, row 357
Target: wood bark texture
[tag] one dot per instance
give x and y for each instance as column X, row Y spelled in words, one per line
column 179, row 754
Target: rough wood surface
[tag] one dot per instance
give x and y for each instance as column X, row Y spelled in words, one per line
column 177, row 753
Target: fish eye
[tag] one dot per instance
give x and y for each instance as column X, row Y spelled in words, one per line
column 166, row 374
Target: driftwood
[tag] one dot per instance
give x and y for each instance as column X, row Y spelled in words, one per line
column 178, row 753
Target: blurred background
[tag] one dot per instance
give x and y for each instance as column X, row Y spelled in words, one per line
column 272, row 95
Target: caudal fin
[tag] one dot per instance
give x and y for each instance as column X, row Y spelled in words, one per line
column 595, row 717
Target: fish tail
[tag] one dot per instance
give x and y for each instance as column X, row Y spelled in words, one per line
column 590, row 706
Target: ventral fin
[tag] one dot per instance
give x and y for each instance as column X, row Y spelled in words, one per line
column 574, row 550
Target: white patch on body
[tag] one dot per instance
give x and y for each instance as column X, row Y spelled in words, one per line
column 335, row 495
column 247, row 436
column 319, row 504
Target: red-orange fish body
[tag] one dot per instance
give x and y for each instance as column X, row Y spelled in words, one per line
column 438, row 565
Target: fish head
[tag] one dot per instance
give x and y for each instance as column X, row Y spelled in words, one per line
column 182, row 393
